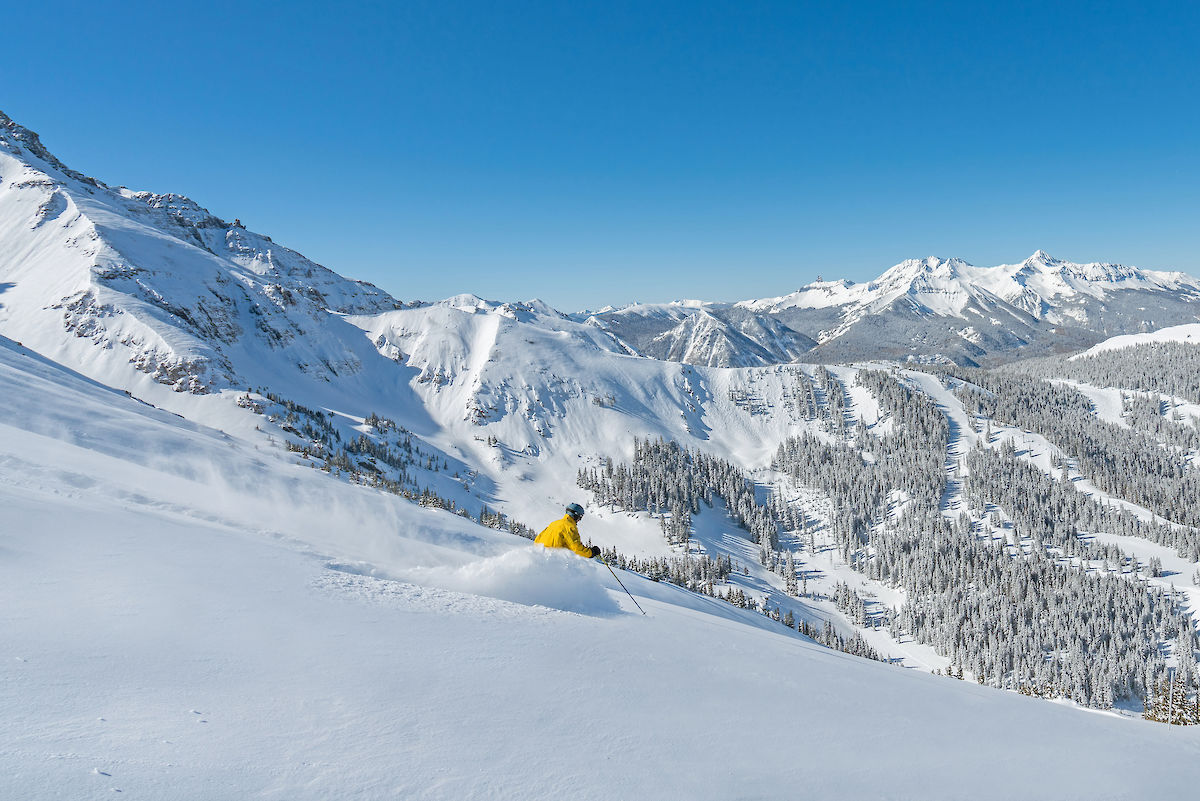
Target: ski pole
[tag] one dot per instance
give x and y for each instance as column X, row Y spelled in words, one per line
column 627, row 592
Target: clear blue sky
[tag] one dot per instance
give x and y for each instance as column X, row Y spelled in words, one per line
column 602, row 152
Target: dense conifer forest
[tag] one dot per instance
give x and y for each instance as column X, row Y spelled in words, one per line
column 1167, row 368
column 1129, row 463
column 997, row 559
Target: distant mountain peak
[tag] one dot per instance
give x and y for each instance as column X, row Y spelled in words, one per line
column 939, row 305
column 825, row 283
column 930, row 265
column 1042, row 257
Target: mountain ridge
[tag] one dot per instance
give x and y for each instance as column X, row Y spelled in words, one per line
column 159, row 281
column 182, row 290
column 947, row 308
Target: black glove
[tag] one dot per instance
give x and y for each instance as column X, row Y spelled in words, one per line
column 595, row 551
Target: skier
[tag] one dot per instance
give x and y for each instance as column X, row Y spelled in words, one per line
column 564, row 533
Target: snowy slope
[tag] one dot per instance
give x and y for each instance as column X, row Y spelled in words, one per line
column 176, row 631
column 530, row 401
column 1189, row 333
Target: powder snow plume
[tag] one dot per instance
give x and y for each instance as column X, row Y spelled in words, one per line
column 531, row 576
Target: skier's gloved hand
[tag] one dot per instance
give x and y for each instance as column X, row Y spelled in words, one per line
column 595, row 551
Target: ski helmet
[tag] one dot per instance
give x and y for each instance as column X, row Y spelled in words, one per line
column 575, row 510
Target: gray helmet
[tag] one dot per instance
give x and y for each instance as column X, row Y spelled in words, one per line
column 575, row 510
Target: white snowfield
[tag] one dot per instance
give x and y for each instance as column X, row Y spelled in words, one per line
column 185, row 617
column 1189, row 333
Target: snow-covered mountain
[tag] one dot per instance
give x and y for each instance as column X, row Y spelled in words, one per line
column 157, row 282
column 197, row 303
column 312, row 409
column 154, row 295
column 926, row 309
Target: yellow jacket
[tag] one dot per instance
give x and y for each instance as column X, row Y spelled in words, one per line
column 563, row 534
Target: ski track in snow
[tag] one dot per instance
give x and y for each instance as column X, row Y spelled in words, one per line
column 961, row 438
column 342, row 582
column 1107, row 403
